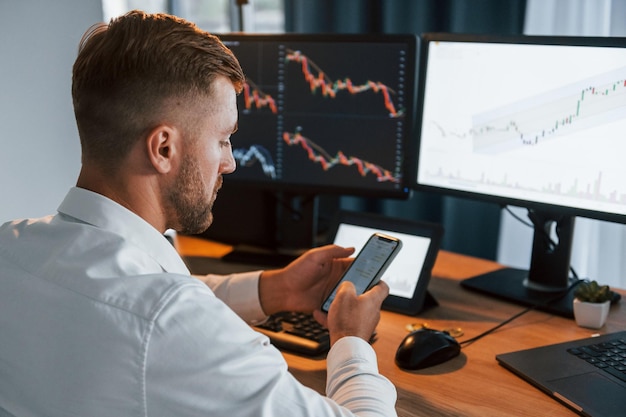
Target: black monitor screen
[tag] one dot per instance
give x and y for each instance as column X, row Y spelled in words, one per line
column 536, row 122
column 325, row 113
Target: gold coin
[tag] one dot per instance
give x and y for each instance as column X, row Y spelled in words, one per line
column 415, row 326
column 454, row 331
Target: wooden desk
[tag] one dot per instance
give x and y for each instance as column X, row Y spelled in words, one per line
column 472, row 384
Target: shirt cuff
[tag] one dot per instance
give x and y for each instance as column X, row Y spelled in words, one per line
column 350, row 349
column 353, row 380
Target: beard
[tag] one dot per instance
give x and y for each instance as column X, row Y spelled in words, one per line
column 189, row 200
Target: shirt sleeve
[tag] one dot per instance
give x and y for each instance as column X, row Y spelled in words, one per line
column 353, row 380
column 201, row 359
column 240, row 292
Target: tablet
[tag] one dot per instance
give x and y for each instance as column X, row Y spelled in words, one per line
column 409, row 274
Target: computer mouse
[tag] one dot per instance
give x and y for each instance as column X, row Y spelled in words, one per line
column 423, row 348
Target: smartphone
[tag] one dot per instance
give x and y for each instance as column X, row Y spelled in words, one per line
column 369, row 265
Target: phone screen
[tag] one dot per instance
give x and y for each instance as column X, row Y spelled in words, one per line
column 369, row 265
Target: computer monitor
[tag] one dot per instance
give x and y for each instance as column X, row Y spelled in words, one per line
column 323, row 114
column 534, row 122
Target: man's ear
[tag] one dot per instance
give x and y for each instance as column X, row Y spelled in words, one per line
column 162, row 146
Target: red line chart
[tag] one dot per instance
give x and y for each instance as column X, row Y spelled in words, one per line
column 317, row 79
column 252, row 95
column 318, row 155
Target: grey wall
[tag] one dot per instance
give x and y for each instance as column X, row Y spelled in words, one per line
column 39, row 147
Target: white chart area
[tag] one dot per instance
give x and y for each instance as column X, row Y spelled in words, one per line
column 403, row 273
column 529, row 122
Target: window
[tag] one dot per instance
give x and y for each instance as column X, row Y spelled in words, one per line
column 219, row 16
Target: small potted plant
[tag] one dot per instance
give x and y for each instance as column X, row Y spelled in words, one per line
column 591, row 304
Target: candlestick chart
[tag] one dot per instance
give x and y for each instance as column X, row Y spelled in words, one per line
column 568, row 113
column 317, row 79
column 319, row 155
column 356, row 117
column 590, row 102
column 255, row 98
column 540, row 123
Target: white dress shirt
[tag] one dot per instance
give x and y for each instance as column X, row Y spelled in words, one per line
column 99, row 317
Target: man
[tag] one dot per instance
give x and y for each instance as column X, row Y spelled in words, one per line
column 98, row 313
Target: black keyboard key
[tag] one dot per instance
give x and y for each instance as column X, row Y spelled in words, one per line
column 608, row 356
column 296, row 332
column 617, row 373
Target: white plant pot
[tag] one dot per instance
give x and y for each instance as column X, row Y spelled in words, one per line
column 591, row 315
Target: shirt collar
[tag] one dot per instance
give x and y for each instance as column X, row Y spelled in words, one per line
column 104, row 213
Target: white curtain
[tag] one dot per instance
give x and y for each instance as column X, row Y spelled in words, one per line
column 599, row 247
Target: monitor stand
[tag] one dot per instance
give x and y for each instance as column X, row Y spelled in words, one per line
column 546, row 285
column 510, row 285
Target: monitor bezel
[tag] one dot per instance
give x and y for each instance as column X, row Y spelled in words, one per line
column 426, row 40
column 401, row 192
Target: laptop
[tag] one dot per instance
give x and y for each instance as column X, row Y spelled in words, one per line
column 575, row 373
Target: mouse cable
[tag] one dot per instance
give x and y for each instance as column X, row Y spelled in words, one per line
column 521, row 313
column 575, row 280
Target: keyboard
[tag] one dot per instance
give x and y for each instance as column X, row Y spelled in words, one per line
column 296, row 332
column 609, row 356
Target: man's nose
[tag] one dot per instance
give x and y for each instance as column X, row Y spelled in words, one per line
column 229, row 164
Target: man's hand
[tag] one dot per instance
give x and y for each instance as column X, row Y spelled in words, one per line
column 352, row 315
column 303, row 284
